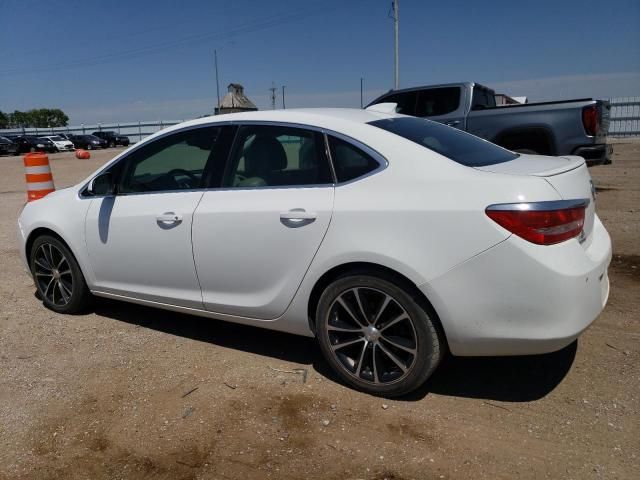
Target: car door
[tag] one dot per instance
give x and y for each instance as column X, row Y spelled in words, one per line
column 139, row 240
column 254, row 238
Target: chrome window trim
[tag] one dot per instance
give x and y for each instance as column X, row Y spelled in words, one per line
column 377, row 156
column 541, row 206
column 137, row 147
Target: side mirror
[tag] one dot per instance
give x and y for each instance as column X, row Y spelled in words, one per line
column 102, row 185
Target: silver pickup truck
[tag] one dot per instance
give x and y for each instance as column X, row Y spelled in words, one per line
column 567, row 127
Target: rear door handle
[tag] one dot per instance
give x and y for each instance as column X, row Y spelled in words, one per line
column 169, row 218
column 297, row 217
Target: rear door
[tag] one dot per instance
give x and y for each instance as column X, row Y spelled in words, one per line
column 254, row 238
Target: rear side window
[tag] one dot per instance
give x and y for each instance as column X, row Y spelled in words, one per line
column 437, row 101
column 482, row 98
column 349, row 161
column 459, row 146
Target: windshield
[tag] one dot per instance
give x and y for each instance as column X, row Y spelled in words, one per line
column 459, row 146
column 56, row 138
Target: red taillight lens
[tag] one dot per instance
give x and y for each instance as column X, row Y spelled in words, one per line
column 590, row 120
column 544, row 227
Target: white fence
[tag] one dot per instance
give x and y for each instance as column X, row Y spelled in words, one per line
column 624, row 119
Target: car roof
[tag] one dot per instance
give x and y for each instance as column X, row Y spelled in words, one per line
column 329, row 118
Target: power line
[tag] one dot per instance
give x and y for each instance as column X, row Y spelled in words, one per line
column 245, row 28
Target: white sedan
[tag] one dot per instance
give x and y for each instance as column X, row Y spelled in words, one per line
column 391, row 239
column 61, row 143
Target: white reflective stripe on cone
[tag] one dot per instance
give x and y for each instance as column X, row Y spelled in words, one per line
column 42, row 169
column 40, row 185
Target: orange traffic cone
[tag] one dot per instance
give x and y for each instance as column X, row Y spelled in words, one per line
column 38, row 175
column 82, row 154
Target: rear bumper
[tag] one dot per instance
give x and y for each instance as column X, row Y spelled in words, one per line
column 520, row 299
column 595, row 154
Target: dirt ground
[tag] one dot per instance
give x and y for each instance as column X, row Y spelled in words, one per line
column 127, row 392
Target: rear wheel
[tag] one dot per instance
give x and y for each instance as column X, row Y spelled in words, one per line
column 57, row 276
column 377, row 336
column 89, row 146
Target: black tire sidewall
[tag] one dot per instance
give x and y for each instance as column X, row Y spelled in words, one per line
column 80, row 292
column 430, row 344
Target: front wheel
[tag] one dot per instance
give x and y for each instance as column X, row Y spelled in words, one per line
column 377, row 337
column 57, row 276
column 89, row 146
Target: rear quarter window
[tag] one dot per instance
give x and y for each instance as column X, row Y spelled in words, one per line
column 459, row 146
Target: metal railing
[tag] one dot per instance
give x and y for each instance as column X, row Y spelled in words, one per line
column 136, row 131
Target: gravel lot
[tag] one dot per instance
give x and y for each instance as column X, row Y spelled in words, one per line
column 127, row 392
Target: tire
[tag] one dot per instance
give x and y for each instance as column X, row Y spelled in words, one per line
column 32, row 149
column 111, row 144
column 365, row 359
column 60, row 283
column 526, row 151
column 89, row 146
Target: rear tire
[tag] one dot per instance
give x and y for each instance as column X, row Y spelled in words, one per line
column 89, row 146
column 376, row 336
column 57, row 275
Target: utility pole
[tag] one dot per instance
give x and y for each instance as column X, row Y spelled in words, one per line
column 273, row 95
column 361, row 102
column 395, row 32
column 283, row 106
column 215, row 56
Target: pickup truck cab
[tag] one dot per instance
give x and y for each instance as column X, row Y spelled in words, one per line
column 567, row 127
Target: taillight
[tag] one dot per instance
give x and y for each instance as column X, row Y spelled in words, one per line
column 590, row 120
column 543, row 223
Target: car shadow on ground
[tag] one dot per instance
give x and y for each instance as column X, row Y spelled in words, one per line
column 507, row 379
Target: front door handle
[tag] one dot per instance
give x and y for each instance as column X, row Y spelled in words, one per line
column 169, row 218
column 297, row 217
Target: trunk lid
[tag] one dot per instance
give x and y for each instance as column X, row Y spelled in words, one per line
column 568, row 175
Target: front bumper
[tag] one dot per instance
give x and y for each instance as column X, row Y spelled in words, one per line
column 518, row 298
column 599, row 154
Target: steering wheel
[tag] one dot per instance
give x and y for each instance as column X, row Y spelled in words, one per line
column 181, row 172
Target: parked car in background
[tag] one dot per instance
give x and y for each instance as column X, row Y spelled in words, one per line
column 566, row 127
column 30, row 143
column 7, row 147
column 391, row 239
column 88, row 142
column 112, row 138
column 61, row 144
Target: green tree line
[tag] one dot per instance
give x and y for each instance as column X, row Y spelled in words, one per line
column 37, row 117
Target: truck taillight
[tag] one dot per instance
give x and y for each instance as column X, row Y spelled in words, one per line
column 590, row 120
column 543, row 223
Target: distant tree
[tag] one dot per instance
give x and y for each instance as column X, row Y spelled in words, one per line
column 4, row 120
column 37, row 117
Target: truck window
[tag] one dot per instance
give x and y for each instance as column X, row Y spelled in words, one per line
column 437, row 101
column 459, row 146
column 406, row 102
column 482, row 98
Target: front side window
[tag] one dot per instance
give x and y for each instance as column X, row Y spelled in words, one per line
column 405, row 101
column 174, row 162
column 461, row 147
column 437, row 101
column 275, row 156
column 349, row 161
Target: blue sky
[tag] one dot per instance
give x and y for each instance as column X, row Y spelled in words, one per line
column 142, row 60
